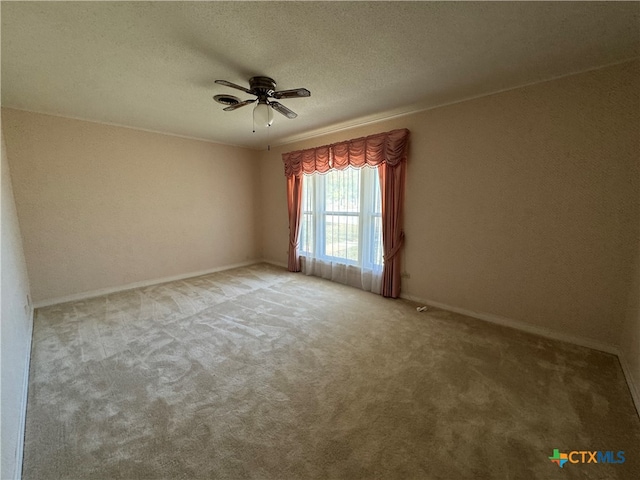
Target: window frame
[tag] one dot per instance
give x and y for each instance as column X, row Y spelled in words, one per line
column 369, row 217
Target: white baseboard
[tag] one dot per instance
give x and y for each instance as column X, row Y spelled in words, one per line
column 145, row 283
column 273, row 262
column 633, row 387
column 520, row 325
column 23, row 402
column 543, row 332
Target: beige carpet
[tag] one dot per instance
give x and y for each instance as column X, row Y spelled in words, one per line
column 258, row 373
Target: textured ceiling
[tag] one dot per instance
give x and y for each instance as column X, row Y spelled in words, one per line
column 152, row 65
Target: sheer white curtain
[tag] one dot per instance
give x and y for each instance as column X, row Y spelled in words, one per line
column 364, row 278
column 340, row 227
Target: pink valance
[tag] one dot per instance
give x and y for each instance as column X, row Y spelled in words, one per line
column 389, row 147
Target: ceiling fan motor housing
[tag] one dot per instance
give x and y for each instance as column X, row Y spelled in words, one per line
column 262, row 85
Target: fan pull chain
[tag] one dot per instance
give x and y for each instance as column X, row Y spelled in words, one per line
column 268, row 137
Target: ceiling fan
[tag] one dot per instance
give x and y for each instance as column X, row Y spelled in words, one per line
column 264, row 88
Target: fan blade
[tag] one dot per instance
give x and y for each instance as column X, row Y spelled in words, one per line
column 293, row 93
column 278, row 107
column 233, row 85
column 238, row 105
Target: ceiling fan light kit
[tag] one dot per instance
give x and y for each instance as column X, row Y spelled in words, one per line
column 264, row 88
column 262, row 116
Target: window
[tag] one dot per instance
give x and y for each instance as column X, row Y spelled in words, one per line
column 341, row 217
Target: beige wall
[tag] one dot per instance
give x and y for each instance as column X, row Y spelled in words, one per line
column 15, row 330
column 103, row 206
column 519, row 205
column 630, row 331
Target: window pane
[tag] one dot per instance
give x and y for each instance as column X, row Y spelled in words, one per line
column 340, row 218
column 342, row 191
column 307, row 233
column 341, row 237
column 307, row 193
column 377, row 201
column 307, row 224
column 376, row 240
